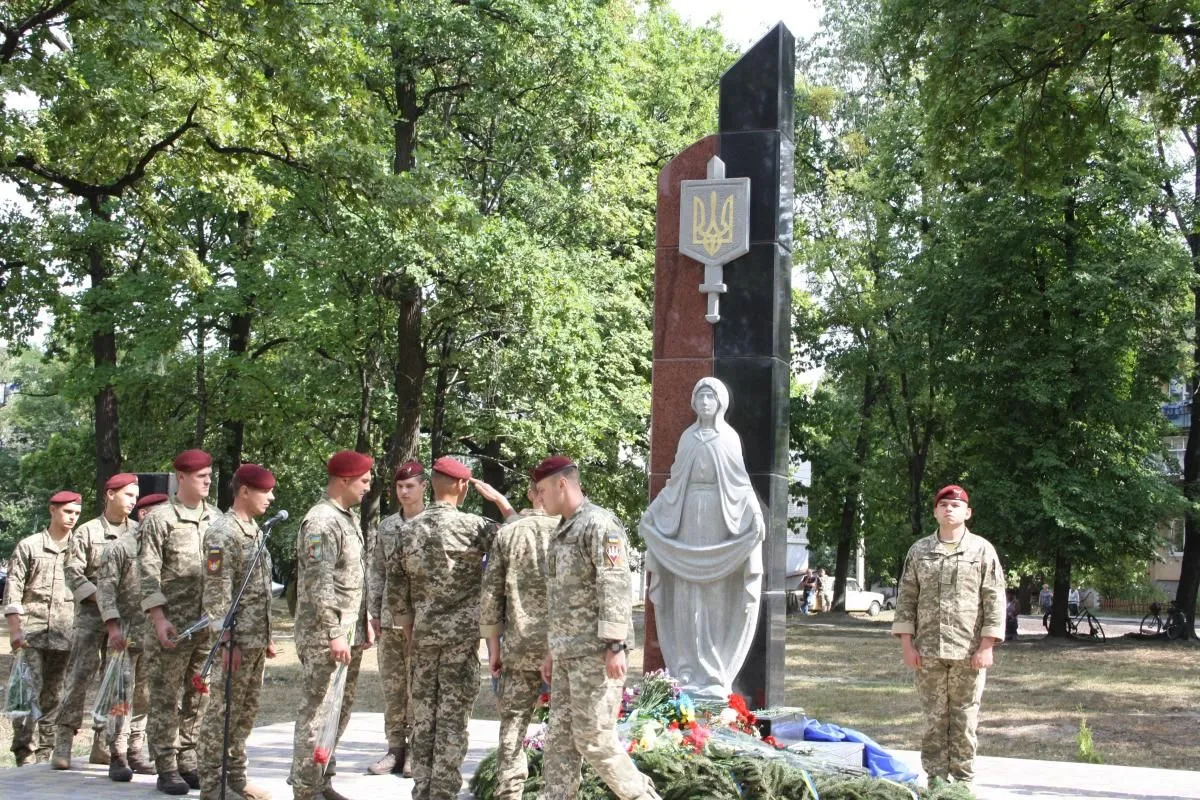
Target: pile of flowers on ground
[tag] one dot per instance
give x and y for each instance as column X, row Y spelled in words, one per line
column 709, row 750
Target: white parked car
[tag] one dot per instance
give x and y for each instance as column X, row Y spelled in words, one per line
column 859, row 600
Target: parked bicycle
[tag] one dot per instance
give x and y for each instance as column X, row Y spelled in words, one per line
column 1082, row 625
column 1173, row 625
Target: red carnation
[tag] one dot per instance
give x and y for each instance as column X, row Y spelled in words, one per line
column 198, row 684
column 321, row 755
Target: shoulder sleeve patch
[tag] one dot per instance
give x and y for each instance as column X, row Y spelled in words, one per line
column 313, row 546
column 614, row 549
column 212, row 561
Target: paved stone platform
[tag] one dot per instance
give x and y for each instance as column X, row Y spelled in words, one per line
column 270, row 751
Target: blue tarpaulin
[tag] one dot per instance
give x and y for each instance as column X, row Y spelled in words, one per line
column 878, row 761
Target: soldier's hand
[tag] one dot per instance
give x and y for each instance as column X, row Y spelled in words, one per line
column 547, row 668
column 232, row 659
column 166, row 632
column 912, row 658
column 491, row 494
column 372, row 637
column 272, row 650
column 495, row 663
column 376, row 626
column 984, row 656
column 339, row 651
column 116, row 640
column 614, row 664
column 16, row 640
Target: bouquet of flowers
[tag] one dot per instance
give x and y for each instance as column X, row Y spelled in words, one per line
column 20, row 699
column 113, row 700
column 329, row 714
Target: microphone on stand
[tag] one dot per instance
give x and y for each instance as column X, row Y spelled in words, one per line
column 275, row 520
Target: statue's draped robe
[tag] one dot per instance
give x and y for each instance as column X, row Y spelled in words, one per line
column 704, row 534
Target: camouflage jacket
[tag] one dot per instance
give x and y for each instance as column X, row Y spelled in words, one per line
column 331, row 575
column 88, row 542
column 514, row 589
column 37, row 590
column 171, row 559
column 435, row 577
column 229, row 546
column 590, row 588
column 949, row 600
column 118, row 594
column 386, row 542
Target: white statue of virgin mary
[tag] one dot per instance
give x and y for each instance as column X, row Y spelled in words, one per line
column 704, row 533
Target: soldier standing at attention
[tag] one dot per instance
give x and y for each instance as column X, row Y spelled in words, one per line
column 119, row 598
column 40, row 616
column 171, row 573
column 88, row 543
column 229, row 547
column 589, row 595
column 433, row 587
column 409, row 482
column 331, row 607
column 949, row 615
column 514, row 605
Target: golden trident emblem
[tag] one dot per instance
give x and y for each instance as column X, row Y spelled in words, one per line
column 711, row 230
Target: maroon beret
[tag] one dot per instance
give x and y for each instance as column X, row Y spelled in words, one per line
column 255, row 477
column 409, row 469
column 64, row 497
column 550, row 466
column 951, row 492
column 452, row 468
column 349, row 464
column 120, row 481
column 192, row 461
column 146, row 501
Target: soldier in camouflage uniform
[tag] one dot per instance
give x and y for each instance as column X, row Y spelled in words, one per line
column 590, row 601
column 119, row 597
column 409, row 482
column 949, row 615
column 331, row 612
column 171, row 574
column 40, row 616
column 514, row 605
column 229, row 547
column 87, row 545
column 433, row 586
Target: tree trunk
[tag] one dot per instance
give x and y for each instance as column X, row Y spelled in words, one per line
column 848, row 528
column 493, row 473
column 437, row 431
column 408, row 378
column 104, row 359
column 1062, row 590
column 241, row 326
column 1189, row 569
column 201, row 387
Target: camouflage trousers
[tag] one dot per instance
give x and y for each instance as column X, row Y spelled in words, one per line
column 132, row 729
column 445, row 682
column 243, row 708
column 48, row 669
column 950, row 692
column 394, row 674
column 583, row 716
column 519, row 691
column 175, row 706
column 87, row 649
column 317, row 668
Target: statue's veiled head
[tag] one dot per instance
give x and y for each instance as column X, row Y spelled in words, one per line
column 710, row 399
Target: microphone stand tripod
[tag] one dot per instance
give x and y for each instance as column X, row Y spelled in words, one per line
column 230, row 626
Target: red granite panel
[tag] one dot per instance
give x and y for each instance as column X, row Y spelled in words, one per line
column 691, row 164
column 671, row 407
column 652, row 657
column 680, row 329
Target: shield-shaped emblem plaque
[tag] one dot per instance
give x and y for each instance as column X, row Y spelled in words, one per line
column 714, row 226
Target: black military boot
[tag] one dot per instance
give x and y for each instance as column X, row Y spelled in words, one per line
column 171, row 783
column 118, row 767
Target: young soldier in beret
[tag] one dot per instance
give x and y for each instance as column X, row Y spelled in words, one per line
column 433, row 586
column 88, row 542
column 331, row 606
column 590, row 600
column 409, row 482
column 40, row 616
column 118, row 595
column 171, row 574
column 229, row 547
column 949, row 614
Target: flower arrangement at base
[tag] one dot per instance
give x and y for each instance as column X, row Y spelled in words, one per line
column 711, row 752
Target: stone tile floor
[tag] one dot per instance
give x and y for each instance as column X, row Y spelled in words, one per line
column 271, row 753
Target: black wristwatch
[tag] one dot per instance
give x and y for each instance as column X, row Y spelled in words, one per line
column 615, row 647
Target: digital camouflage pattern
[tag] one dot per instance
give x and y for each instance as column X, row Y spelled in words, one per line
column 37, row 590
column 590, row 602
column 394, row 671
column 171, row 574
column 949, row 598
column 243, row 704
column 519, row 693
column 317, row 673
column 331, row 566
column 387, row 541
column 48, row 669
column 88, row 542
column 590, row 587
column 445, row 682
column 229, row 547
column 119, row 598
column 514, row 589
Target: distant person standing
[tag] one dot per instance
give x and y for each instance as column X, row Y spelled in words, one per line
column 1073, row 601
column 949, row 615
column 1045, row 601
column 41, row 618
column 825, row 587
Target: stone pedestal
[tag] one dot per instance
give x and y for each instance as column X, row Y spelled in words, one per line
column 749, row 348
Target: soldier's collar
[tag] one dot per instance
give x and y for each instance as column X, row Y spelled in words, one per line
column 50, row 544
column 197, row 514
